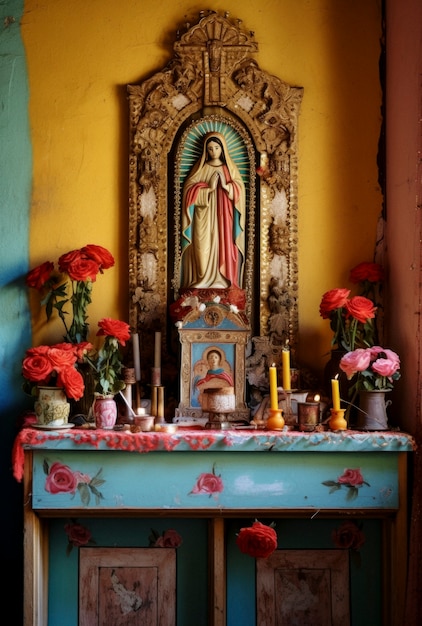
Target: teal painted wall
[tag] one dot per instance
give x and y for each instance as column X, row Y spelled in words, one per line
column 15, row 326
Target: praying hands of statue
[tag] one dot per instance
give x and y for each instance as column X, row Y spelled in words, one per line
column 219, row 176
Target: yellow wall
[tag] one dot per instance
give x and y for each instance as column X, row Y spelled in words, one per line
column 81, row 55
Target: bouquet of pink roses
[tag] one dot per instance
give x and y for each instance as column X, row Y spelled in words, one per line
column 375, row 368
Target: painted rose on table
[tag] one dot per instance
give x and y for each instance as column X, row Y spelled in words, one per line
column 208, row 484
column 62, row 479
column 348, row 536
column 352, row 479
column 78, row 535
column 170, row 538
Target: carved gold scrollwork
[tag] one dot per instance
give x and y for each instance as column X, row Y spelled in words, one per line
column 213, row 73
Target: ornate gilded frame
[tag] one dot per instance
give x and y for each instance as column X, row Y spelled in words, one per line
column 213, row 75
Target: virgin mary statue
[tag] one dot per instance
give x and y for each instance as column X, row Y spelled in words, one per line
column 213, row 220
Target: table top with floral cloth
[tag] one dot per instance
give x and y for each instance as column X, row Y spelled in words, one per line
column 328, row 470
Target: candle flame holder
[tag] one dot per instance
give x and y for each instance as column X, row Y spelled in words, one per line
column 275, row 420
column 337, row 420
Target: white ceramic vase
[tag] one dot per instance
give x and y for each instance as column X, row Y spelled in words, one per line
column 51, row 407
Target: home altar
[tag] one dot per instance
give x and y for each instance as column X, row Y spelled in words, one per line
column 206, row 485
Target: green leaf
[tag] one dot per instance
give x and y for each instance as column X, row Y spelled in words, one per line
column 352, row 493
column 84, row 493
column 95, row 491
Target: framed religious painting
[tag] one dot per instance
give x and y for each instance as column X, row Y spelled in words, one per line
column 213, row 345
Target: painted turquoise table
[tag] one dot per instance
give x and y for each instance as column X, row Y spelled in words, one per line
column 212, row 474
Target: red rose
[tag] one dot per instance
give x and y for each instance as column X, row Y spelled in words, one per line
column 208, row 483
column 64, row 346
column 78, row 535
column 83, row 270
column 38, row 351
column 361, row 308
column 169, row 539
column 67, row 259
column 78, row 267
column 258, row 540
column 81, row 349
column 40, row 275
column 114, row 328
column 72, row 381
column 351, row 477
column 373, row 272
column 60, row 479
column 61, row 358
column 37, row 368
column 348, row 535
column 332, row 300
column 100, row 255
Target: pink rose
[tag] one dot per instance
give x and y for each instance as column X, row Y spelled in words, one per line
column 356, row 361
column 385, row 367
column 209, row 484
column 351, row 477
column 60, row 479
column 376, row 351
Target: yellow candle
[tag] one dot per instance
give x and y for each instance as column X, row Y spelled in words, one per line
column 285, row 360
column 335, row 393
column 273, row 387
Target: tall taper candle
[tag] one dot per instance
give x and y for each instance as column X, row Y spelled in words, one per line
column 285, row 360
column 335, row 393
column 136, row 356
column 157, row 350
column 273, row 387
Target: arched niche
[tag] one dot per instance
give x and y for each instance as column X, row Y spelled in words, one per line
column 213, row 81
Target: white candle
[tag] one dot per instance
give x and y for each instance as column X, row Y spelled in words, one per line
column 157, row 350
column 136, row 356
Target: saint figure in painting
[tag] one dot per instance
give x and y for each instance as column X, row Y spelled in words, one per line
column 213, row 220
column 218, row 374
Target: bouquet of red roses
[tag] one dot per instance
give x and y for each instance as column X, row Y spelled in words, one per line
column 55, row 366
column 68, row 290
column 352, row 318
